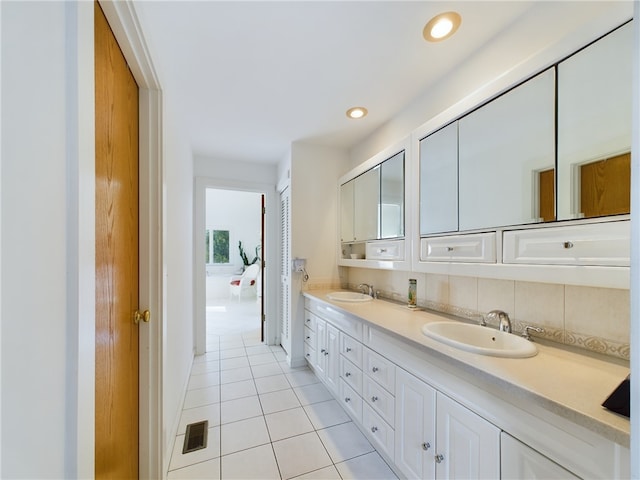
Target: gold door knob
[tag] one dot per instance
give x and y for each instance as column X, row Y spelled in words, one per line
column 141, row 316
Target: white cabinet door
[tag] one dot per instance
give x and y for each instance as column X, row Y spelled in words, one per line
column 439, row 181
column 467, row 446
column 332, row 355
column 503, row 146
column 366, row 200
column 321, row 358
column 521, row 461
column 415, row 426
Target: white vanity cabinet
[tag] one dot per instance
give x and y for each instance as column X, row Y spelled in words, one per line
column 431, row 420
column 521, row 461
column 436, row 437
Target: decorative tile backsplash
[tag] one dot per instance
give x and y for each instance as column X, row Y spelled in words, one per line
column 595, row 319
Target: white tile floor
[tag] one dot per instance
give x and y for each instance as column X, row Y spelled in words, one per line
column 266, row 420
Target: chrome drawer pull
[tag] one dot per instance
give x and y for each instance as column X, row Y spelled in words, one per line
column 426, row 446
column 374, row 429
column 348, row 349
column 348, row 374
column 439, row 458
column 374, row 369
column 374, row 398
column 347, row 399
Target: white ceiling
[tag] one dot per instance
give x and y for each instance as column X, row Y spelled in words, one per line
column 245, row 79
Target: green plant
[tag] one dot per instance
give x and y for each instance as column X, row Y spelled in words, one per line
column 243, row 256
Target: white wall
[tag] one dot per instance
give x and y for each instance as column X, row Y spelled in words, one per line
column 47, row 240
column 178, row 347
column 314, row 171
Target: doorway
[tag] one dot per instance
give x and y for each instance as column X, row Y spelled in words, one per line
column 234, row 236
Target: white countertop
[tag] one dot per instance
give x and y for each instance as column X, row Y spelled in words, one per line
column 564, row 381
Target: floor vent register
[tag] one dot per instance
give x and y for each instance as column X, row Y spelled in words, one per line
column 195, row 437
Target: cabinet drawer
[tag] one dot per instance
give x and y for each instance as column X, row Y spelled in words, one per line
column 601, row 244
column 351, row 374
column 351, row 401
column 310, row 354
column 351, row 349
column 310, row 320
column 477, row 248
column 379, row 399
column 380, row 433
column 309, row 337
column 380, row 369
column 393, row 250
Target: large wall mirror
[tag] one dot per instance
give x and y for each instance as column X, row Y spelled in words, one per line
column 504, row 147
column 439, row 181
column 392, row 197
column 373, row 203
column 594, row 128
column 497, row 166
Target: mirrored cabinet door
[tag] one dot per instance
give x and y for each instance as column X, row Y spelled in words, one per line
column 439, row 181
column 392, row 197
column 346, row 212
column 366, row 199
column 594, row 128
column 504, row 148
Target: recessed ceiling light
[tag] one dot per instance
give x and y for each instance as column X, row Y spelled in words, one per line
column 441, row 26
column 357, row 112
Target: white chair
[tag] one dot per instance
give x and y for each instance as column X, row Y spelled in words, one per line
column 246, row 283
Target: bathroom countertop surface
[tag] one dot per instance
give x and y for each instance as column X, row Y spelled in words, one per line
column 564, row 381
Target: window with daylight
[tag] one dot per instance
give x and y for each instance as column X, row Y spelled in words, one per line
column 217, row 245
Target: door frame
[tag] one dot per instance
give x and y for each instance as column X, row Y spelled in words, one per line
column 126, row 28
column 270, row 257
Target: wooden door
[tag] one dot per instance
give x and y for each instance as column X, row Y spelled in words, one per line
column 605, row 187
column 116, row 417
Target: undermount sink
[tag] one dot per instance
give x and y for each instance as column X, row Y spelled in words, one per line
column 349, row 297
column 480, row 340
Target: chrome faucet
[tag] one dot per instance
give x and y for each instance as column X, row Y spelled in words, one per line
column 367, row 289
column 504, row 324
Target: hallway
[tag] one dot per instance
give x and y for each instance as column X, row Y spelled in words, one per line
column 266, row 420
